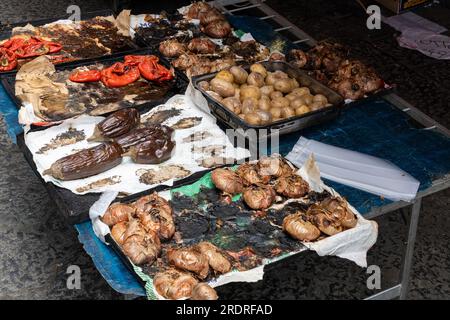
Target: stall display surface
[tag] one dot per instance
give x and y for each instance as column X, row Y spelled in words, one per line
column 409, row 142
column 392, row 135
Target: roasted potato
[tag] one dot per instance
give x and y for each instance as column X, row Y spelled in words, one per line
column 283, row 85
column 214, row 95
column 280, row 102
column 266, row 90
column 301, row 91
column 264, row 103
column 287, row 112
column 249, row 105
column 249, row 91
column 252, row 118
column 255, row 79
column 264, row 116
column 225, row 75
column 233, row 104
column 259, row 68
column 240, row 74
column 222, row 87
column 320, row 98
column 275, row 94
column 274, row 76
column 302, row 110
column 275, row 112
column 204, row 85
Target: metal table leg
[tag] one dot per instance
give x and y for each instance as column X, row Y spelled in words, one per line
column 407, row 260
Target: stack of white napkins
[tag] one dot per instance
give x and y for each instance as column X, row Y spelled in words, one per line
column 357, row 170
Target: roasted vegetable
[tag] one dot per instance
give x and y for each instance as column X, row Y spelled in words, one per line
column 259, row 197
column 174, row 284
column 292, row 186
column 189, row 259
column 171, row 48
column 116, row 124
column 203, row 291
column 152, row 151
column 118, row 212
column 227, row 181
column 143, row 134
column 155, row 214
column 118, row 232
column 202, row 45
column 86, row 163
column 298, row 227
column 217, row 29
column 140, row 245
column 216, row 258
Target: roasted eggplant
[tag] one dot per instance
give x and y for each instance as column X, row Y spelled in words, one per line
column 143, row 134
column 116, row 124
column 152, row 151
column 87, row 162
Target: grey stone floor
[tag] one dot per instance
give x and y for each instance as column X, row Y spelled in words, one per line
column 37, row 246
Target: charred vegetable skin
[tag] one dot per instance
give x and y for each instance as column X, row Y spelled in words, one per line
column 152, row 151
column 117, row 124
column 143, row 134
column 86, row 163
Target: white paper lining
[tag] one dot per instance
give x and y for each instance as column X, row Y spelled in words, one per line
column 127, row 170
column 361, row 171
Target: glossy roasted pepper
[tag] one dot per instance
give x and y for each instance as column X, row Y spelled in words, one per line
column 8, row 60
column 119, row 74
column 85, row 76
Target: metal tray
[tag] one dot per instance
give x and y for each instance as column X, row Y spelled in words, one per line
column 287, row 125
column 5, row 32
column 180, row 85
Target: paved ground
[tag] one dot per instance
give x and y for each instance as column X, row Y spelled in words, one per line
column 37, row 246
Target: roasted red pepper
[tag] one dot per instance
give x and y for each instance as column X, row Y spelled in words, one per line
column 85, row 76
column 13, row 44
column 151, row 70
column 8, row 60
column 53, row 47
column 119, row 75
column 32, row 50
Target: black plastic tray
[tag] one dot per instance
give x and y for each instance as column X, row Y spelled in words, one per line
column 287, row 125
column 6, row 31
column 180, row 85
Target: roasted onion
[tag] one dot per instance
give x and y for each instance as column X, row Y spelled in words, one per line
column 259, row 197
column 203, row 291
column 202, row 45
column 155, row 214
column 171, row 48
column 298, row 227
column 174, row 284
column 216, row 258
column 217, row 29
column 189, row 259
column 140, row 245
column 227, row 180
column 292, row 186
column 118, row 212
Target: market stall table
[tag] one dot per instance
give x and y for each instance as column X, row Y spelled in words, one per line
column 384, row 128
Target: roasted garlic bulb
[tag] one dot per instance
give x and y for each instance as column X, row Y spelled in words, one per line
column 174, row 284
column 227, row 180
column 298, row 227
column 216, row 258
column 189, row 259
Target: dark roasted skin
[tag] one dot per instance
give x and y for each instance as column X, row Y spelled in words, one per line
column 152, row 151
column 143, row 134
column 87, row 162
column 116, row 124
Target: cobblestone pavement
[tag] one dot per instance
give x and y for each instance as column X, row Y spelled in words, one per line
column 37, row 246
